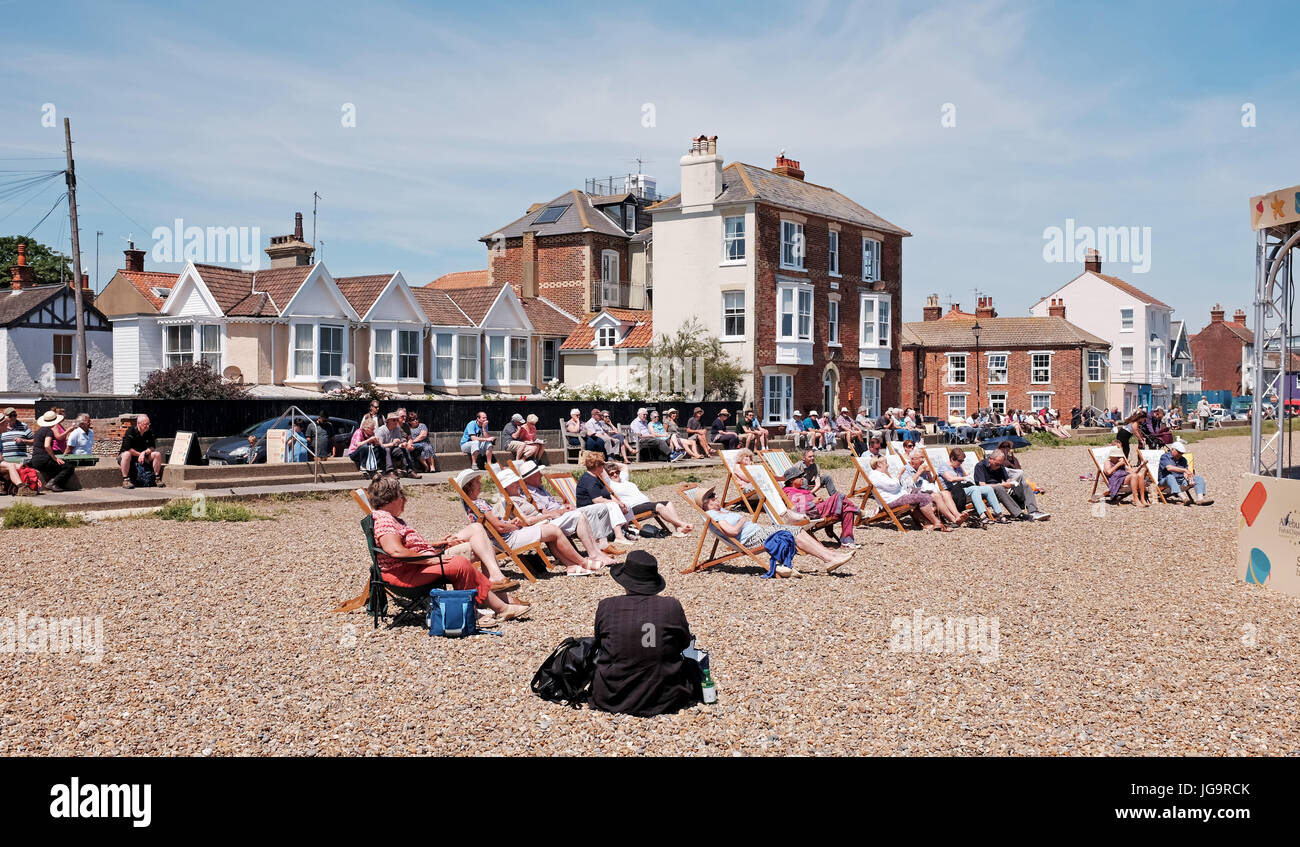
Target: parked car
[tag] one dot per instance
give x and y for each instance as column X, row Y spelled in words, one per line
column 233, row 450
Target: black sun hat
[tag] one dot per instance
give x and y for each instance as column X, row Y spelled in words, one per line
column 639, row 574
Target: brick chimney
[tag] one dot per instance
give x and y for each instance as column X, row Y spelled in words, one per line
column 1092, row 261
column 528, row 259
column 984, row 309
column 1056, row 308
column 787, row 167
column 22, row 273
column 290, row 251
column 134, row 258
column 701, row 174
column 1239, row 317
column 85, row 282
column 932, row 311
column 1216, row 314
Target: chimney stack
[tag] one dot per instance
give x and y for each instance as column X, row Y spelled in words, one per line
column 1239, row 318
column 22, row 273
column 932, row 311
column 1216, row 314
column 1056, row 308
column 85, row 281
column 1092, row 261
column 297, row 225
column 134, row 258
column 787, row 167
column 985, row 309
column 529, row 262
column 701, row 174
column 290, row 251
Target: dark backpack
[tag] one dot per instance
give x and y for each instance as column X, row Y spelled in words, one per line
column 144, row 475
column 566, row 675
column 652, row 531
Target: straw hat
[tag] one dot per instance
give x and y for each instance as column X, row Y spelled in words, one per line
column 699, row 495
column 50, row 418
column 1115, row 453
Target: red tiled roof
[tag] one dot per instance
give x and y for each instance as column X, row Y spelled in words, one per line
column 474, row 302
column 956, row 313
column 638, row 336
column 363, row 291
column 461, row 279
column 252, row 293
column 1244, row 333
column 547, row 318
column 440, row 309
column 146, row 281
column 998, row 332
column 281, row 283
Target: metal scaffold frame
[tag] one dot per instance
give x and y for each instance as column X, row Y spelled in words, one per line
column 1275, row 344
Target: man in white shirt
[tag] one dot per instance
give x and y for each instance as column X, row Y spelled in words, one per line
column 81, row 439
column 641, row 429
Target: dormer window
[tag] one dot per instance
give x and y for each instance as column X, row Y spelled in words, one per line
column 606, row 336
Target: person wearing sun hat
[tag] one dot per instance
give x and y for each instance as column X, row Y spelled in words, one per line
column 604, row 518
column 1175, row 473
column 45, row 458
column 573, row 523
column 640, row 637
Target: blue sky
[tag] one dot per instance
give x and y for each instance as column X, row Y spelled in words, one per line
column 1113, row 114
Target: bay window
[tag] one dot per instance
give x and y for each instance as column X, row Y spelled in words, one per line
column 443, row 356
column 193, row 343
column 467, row 358
column 382, row 355
column 518, row 360
column 408, row 354
column 496, row 358
column 331, row 351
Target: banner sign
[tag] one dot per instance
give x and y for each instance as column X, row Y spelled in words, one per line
column 1268, row 536
column 1275, row 207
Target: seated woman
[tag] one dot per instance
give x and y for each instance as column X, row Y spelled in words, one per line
column 572, row 522
column 918, row 475
column 615, row 438
column 636, row 503
column 836, row 505
column 515, row 535
column 525, row 437
column 574, row 433
column 742, row 482
column 635, row 675
column 962, row 488
column 400, row 543
column 909, row 447
column 364, row 449
column 1121, row 476
column 895, row 493
column 675, row 440
column 736, row 525
column 827, row 432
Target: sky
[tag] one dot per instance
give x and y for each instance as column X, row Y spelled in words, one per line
column 976, row 126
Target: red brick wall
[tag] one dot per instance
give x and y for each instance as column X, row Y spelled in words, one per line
column 808, row 378
column 929, row 393
column 1216, row 351
column 566, row 265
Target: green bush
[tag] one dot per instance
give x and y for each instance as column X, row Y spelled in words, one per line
column 206, row 509
column 27, row 516
column 190, row 381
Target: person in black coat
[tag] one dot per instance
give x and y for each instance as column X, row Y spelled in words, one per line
column 640, row 637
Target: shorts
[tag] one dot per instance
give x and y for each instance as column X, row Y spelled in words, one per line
column 525, row 536
column 472, row 447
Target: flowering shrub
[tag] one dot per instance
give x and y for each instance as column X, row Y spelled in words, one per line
column 360, row 391
column 596, row 392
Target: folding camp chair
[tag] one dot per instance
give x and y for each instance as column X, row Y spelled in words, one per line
column 515, row 553
column 711, row 528
column 413, row 602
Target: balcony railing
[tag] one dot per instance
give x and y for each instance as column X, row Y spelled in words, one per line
column 615, row 295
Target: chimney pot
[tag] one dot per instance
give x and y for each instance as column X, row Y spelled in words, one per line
column 1092, row 261
column 1056, row 309
column 22, row 273
column 788, row 167
column 985, row 308
column 1239, row 318
column 134, row 258
column 1216, row 314
column 297, row 225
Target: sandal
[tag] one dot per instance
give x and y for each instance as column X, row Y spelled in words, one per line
column 580, row 572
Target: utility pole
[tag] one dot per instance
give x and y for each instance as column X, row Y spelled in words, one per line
column 71, row 176
column 99, row 233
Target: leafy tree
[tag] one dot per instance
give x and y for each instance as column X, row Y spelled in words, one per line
column 698, row 352
column 190, row 381
column 47, row 264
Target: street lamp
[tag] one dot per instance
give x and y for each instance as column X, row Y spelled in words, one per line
column 976, row 329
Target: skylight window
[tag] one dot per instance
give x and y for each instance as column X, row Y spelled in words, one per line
column 550, row 214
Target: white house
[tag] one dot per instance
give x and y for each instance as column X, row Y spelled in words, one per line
column 38, row 334
column 1137, row 326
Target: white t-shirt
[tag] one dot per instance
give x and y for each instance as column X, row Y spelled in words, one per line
column 627, row 491
column 81, row 441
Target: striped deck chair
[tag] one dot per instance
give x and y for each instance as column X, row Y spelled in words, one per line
column 515, row 554
column 777, row 461
column 779, row 508
column 711, row 529
column 1101, row 479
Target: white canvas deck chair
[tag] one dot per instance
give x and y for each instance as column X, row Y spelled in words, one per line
column 711, row 530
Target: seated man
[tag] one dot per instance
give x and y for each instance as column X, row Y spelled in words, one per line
column 81, row 438
column 1175, row 474
column 646, row 437
column 812, row 475
column 510, row 435
column 991, row 471
column 753, row 434
column 400, row 542
column 636, row 675
column 586, row 524
column 602, row 526
column 794, row 428
column 854, row 437
column 837, row 505
column 320, row 437
column 812, row 431
column 476, row 442
column 695, row 429
column 140, row 447
column 393, row 441
column 721, row 434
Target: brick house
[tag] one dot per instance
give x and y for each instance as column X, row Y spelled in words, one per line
column 800, row 283
column 572, row 250
column 1021, row 363
column 1224, row 353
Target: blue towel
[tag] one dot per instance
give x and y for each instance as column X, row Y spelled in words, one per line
column 780, row 546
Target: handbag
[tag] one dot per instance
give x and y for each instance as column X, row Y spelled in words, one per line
column 452, row 614
column 370, row 463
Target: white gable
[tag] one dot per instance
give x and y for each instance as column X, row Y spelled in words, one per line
column 507, row 312
column 190, row 297
column 318, row 297
column 396, row 303
column 606, row 319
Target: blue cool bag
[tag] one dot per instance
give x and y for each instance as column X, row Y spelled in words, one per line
column 451, row 613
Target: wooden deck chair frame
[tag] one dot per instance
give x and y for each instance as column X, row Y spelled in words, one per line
column 729, row 463
column 711, row 529
column 884, row 510
column 1101, row 477
column 827, row 524
column 1151, row 464
column 636, row 522
column 515, row 554
column 528, row 495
